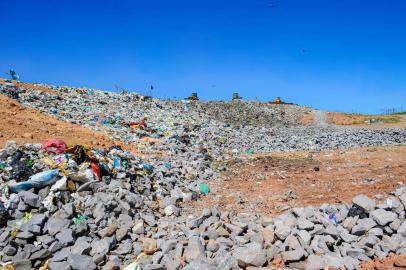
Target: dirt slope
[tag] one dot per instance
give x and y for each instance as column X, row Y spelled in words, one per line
column 31, row 126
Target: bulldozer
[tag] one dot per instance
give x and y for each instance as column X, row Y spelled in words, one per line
column 236, row 96
column 278, row 100
column 193, row 97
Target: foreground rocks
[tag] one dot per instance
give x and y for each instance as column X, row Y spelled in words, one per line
column 125, row 220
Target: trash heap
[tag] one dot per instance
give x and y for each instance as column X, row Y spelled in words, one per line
column 220, row 127
column 76, row 207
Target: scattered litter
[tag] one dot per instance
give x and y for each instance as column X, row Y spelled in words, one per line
column 333, row 218
column 250, row 151
column 78, row 220
column 204, row 188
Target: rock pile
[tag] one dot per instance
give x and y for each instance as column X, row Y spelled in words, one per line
column 134, row 216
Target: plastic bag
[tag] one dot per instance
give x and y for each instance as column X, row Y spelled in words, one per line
column 38, row 180
column 60, row 185
column 54, row 146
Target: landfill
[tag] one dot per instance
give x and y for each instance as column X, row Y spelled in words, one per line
column 82, row 207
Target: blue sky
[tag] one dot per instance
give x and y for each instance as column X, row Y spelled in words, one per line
column 344, row 55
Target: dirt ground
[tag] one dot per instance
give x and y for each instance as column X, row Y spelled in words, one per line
column 31, row 126
column 393, row 262
column 308, row 119
column 272, row 183
column 358, row 120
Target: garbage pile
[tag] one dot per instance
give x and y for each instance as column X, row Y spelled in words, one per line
column 220, row 127
column 81, row 208
column 75, row 207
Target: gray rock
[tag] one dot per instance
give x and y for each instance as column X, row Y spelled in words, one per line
column 9, row 250
column 194, row 250
column 282, row 231
column 402, row 229
column 173, row 264
column 123, row 248
column 349, row 238
column 21, row 264
column 251, row 255
column 194, row 222
column 55, row 246
column 365, row 202
column 81, row 262
column 292, row 242
column 25, row 235
column 154, row 267
column 331, row 230
column 315, row 262
column 225, row 261
column 394, row 225
column 65, row 237
column 138, row 228
column 212, row 246
column 171, row 210
column 383, row 217
column 304, row 224
column 233, row 229
column 81, row 246
column 304, row 237
column 56, row 224
column 111, row 265
column 30, row 198
column 59, row 266
column 169, row 245
column 102, row 246
column 40, row 254
column 61, row 255
column 121, row 233
column 293, row 255
column 363, row 226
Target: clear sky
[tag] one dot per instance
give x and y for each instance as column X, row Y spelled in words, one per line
column 345, row 55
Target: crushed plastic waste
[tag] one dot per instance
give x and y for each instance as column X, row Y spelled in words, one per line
column 54, row 146
column 80, row 219
column 30, row 163
column 38, row 180
column 333, row 218
column 250, row 151
column 3, row 165
column 133, row 266
column 356, row 210
column 204, row 188
column 96, row 169
column 80, row 153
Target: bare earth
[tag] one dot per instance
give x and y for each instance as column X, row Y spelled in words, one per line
column 355, row 120
column 272, row 183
